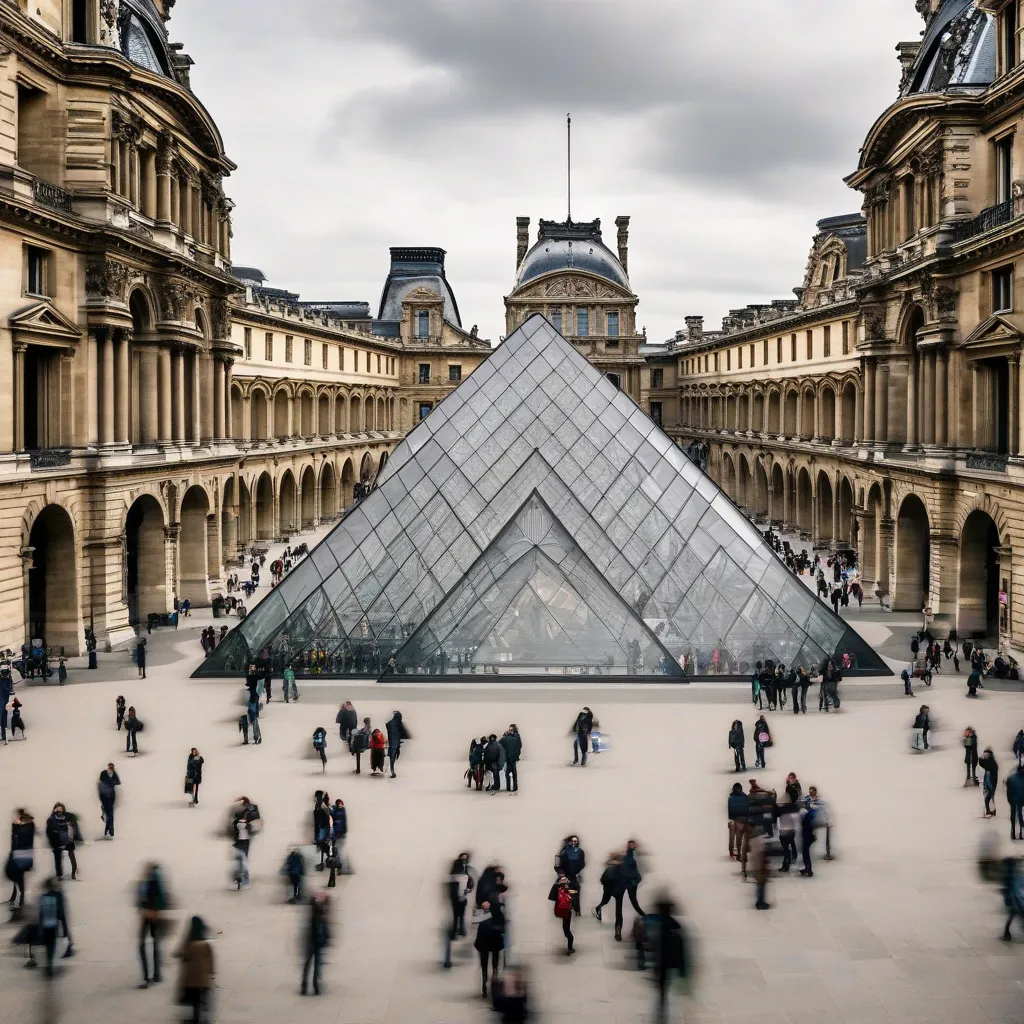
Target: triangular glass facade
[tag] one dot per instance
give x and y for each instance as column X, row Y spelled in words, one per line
column 538, row 520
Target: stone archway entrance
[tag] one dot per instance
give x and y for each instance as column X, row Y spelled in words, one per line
column 824, row 507
column 230, row 517
column 348, row 480
column 804, row 502
column 53, row 611
column 978, row 604
column 308, row 498
column 287, row 504
column 328, row 492
column 913, row 555
column 145, row 559
column 264, row 508
column 193, row 582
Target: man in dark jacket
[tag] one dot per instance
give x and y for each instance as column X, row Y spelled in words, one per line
column 396, row 733
column 988, row 764
column 60, row 832
column 513, row 744
column 1015, row 798
column 631, row 873
column 582, row 728
column 105, row 787
column 347, row 721
column 52, row 920
column 571, row 861
column 492, row 754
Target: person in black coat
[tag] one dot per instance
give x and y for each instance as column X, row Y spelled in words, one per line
column 132, row 727
column 194, row 774
column 348, row 721
column 492, row 756
column 20, row 859
column 396, row 733
column 613, row 887
column 105, row 788
column 736, row 744
column 60, row 833
column 571, row 861
column 512, row 743
column 582, row 728
column 490, row 938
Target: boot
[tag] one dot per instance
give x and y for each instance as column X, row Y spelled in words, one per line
column 618, row 933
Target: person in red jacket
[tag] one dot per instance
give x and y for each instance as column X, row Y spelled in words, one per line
column 378, row 744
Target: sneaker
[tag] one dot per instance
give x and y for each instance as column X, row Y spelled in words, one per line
column 597, row 913
column 762, row 906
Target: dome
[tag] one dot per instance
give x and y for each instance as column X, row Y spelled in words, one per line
column 569, row 246
column 958, row 51
column 143, row 37
column 413, row 268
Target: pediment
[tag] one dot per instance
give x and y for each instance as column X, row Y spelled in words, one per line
column 422, row 296
column 571, row 284
column 42, row 319
column 996, row 330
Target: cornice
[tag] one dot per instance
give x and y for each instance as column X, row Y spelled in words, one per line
column 246, row 314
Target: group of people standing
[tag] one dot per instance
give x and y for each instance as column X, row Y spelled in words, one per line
column 490, row 756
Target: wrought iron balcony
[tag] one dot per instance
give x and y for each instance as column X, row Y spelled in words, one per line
column 49, row 458
column 52, row 196
column 993, row 217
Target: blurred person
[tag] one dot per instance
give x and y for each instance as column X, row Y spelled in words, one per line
column 762, row 740
column 768, row 682
column 794, row 791
column 21, row 858
column 475, row 772
column 320, row 746
column 760, row 869
column 988, row 764
column 805, row 681
column 359, row 743
column 132, row 727
column 194, row 774
column 671, row 956
column 17, row 722
column 243, row 727
column 973, row 682
column 1018, row 748
column 510, row 996
column 252, row 711
column 490, row 885
column 140, row 656
column 458, row 886
column 970, row 742
column 396, row 733
column 512, row 743
column 581, row 729
column 106, row 789
column 789, row 822
column 52, row 922
column 294, row 869
column 756, row 689
column 808, row 812
column 339, row 832
column 570, row 861
column 317, row 939
column 491, row 757
column 907, row 675
column 564, row 897
column 631, row 873
column 793, row 682
column 1013, row 892
column 120, row 708
column 268, row 676
column 347, row 721
column 151, row 902
column 490, row 938
column 1015, row 798
column 197, row 969
column 918, row 729
column 613, row 887
column 289, row 687
column 378, row 744
column 245, row 819
column 821, row 816
column 322, row 826
column 739, row 810
column 61, row 836
column 736, row 745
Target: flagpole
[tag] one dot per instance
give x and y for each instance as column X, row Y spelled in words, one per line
column 568, row 166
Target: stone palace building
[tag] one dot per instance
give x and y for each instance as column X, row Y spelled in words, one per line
column 882, row 408
column 165, row 410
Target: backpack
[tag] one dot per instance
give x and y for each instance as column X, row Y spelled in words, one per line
column 563, row 903
column 734, row 738
column 319, row 738
column 358, row 742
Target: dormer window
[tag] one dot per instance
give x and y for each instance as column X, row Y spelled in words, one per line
column 1008, row 26
column 612, row 323
column 422, row 323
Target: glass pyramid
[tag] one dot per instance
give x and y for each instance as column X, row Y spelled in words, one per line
column 539, row 521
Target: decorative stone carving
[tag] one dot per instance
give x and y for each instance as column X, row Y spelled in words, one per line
column 165, row 153
column 174, row 298
column 110, row 11
column 874, row 322
column 220, row 318
column 107, row 278
column 126, row 126
column 944, row 301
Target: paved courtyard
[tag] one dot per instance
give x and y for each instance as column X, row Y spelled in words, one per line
column 898, row 927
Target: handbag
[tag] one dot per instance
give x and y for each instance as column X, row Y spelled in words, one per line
column 188, row 784
column 764, row 739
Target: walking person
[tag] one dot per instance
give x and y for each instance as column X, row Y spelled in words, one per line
column 120, row 707
column 243, row 727
column 60, row 833
column 570, row 861
column 317, row 939
column 755, row 687
column 988, row 764
column 582, row 728
column 461, row 880
column 194, row 774
column 970, row 742
column 253, row 713
column 288, row 684
column 564, row 897
column 396, row 733
column 20, row 860
column 804, row 681
column 132, row 727
column 245, row 819
column 339, row 831
column 322, row 826
column 613, row 887
column 347, row 721
column 53, row 921
column 512, row 743
column 1015, row 798
column 106, row 790
column 151, row 902
column 631, row 873
column 762, row 740
column 378, row 744
column 195, row 979
column 268, row 679
column 320, row 746
column 490, row 937
column 821, row 817
column 736, row 744
column 1013, row 893
column 919, row 728
column 1018, row 748
column 359, row 742
column 140, row 656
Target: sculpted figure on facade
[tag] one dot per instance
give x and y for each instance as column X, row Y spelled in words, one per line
column 174, row 296
column 107, row 278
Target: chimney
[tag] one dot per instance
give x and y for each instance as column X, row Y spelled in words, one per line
column 622, row 223
column 522, row 238
column 694, row 327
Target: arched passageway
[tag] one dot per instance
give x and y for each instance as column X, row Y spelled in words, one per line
column 281, row 429
column 229, row 516
column 870, row 569
column 978, row 605
column 729, row 477
column 743, row 489
column 258, row 414
column 264, row 508
column 804, row 502
column 308, row 498
column 245, row 523
column 824, row 507
column 307, row 426
column 355, row 416
column 760, row 488
column 287, row 501
column 348, row 482
column 366, row 469
column 913, row 555
column 828, row 414
column 789, row 413
column 145, row 559
column 807, row 425
column 778, row 494
column 758, row 413
column 849, row 406
column 845, row 519
column 328, row 493
column 237, row 423
column 340, row 414
column 774, row 413
column 193, row 560
column 325, row 415
column 53, row 610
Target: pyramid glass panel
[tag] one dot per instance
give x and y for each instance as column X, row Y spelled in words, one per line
column 538, row 521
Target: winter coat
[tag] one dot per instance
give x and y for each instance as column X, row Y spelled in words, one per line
column 571, row 860
column 513, row 744
column 194, row 769
column 739, row 806
column 1015, row 788
column 612, row 880
column 490, row 933
column 584, row 723
column 196, row 965
column 491, row 754
column 629, row 869
column 105, row 787
column 736, row 737
column 970, row 749
column 396, row 731
column 58, row 831
column 339, row 821
column 23, row 835
column 989, row 766
column 347, row 718
column 317, row 931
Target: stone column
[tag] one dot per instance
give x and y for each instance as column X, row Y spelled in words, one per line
column 107, row 388
column 799, row 414
column 122, row 387
column 206, row 400
column 178, row 397
column 976, row 411
column 197, row 426
column 868, row 432
column 912, row 400
column 941, row 386
column 148, row 395
column 229, row 426
column 166, row 384
column 881, row 403
column 218, row 398
column 291, row 415
column 246, row 418
column 928, row 398
column 19, row 395
column 1020, row 397
column 835, row 509
column 886, row 532
column 858, row 412
column 1013, row 399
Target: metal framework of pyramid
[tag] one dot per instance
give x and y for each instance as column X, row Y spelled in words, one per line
column 537, row 521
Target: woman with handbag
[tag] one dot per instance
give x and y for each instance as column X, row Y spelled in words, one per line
column 194, row 775
column 197, row 970
column 19, row 862
column 762, row 739
column 132, row 727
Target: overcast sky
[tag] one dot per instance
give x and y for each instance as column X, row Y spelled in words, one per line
column 723, row 129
